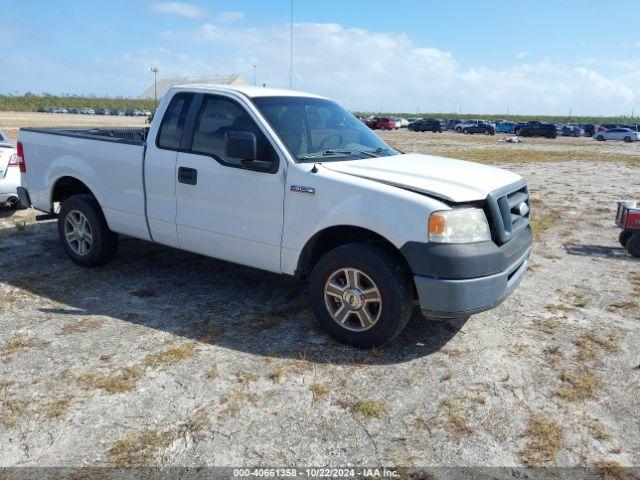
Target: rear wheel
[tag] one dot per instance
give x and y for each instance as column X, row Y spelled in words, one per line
column 361, row 295
column 624, row 237
column 633, row 245
column 13, row 203
column 600, row 138
column 487, row 132
column 627, row 139
column 465, row 131
column 84, row 233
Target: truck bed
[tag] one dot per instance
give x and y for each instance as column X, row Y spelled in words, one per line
column 108, row 161
column 134, row 135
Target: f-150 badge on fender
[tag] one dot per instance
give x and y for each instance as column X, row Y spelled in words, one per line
column 303, row 190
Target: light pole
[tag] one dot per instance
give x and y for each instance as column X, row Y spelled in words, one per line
column 291, row 51
column 154, row 70
column 254, row 76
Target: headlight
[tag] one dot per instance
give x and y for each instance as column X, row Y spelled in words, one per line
column 463, row 225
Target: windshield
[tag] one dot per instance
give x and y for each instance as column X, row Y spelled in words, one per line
column 313, row 128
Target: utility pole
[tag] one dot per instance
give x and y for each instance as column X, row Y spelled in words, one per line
column 291, row 47
column 154, row 70
column 254, row 76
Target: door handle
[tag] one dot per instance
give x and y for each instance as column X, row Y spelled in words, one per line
column 188, row 175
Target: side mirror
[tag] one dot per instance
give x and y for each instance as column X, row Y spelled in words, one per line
column 242, row 145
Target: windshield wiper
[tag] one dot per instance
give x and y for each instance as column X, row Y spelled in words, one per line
column 345, row 151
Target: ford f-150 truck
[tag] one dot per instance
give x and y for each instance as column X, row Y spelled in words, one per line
column 291, row 183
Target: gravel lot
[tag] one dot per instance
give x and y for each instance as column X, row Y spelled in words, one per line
column 168, row 358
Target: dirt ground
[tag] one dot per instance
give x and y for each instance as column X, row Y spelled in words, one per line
column 167, row 358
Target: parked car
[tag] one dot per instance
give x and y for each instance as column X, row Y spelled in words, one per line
column 9, row 173
column 384, row 123
column 426, row 125
column 589, row 129
column 477, row 126
column 102, row 111
column 624, row 134
column 59, row 110
column 74, row 111
column 404, row 123
column 87, row 111
column 537, row 129
column 609, row 126
column 452, row 236
column 505, row 127
column 450, row 124
column 412, row 120
column 464, row 123
column 571, row 130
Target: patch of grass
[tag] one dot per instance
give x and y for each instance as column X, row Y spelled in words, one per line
column 597, row 430
column 607, row 344
column 369, row 408
column 22, row 342
column 447, row 376
column 318, row 390
column 277, row 375
column 610, row 469
column 454, row 421
column 139, row 449
column 57, row 409
column 12, row 411
column 266, row 323
column 546, row 325
column 171, row 356
column 122, row 380
column 624, row 305
column 577, row 386
column 80, row 326
column 211, row 334
column 544, row 440
column 144, row 293
column 544, row 220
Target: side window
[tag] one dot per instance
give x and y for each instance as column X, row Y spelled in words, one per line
column 170, row 132
column 219, row 115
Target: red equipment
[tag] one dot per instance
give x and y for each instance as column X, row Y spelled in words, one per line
column 628, row 219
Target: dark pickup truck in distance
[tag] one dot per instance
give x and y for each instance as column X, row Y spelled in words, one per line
column 537, row 129
column 426, row 125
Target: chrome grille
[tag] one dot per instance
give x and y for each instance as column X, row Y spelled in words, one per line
column 510, row 210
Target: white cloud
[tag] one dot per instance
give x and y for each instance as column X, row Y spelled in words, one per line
column 187, row 10
column 637, row 44
column 363, row 70
column 372, row 70
column 522, row 55
column 232, row 16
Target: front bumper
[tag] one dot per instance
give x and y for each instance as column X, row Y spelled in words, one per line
column 459, row 280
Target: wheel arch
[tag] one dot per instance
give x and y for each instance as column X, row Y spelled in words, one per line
column 332, row 237
column 66, row 186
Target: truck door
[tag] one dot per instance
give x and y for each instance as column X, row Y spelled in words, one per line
column 160, row 171
column 228, row 208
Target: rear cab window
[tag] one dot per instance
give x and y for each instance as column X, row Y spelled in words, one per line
column 172, row 126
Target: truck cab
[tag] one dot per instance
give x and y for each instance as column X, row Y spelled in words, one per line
column 291, row 183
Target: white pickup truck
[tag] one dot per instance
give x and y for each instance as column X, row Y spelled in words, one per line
column 291, row 183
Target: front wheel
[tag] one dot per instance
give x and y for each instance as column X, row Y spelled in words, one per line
column 600, row 138
column 361, row 295
column 627, row 139
column 624, row 237
column 84, row 233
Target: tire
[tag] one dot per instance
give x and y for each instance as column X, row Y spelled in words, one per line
column 103, row 242
column 633, row 244
column 624, row 237
column 600, row 138
column 458, row 130
column 13, row 203
column 465, row 131
column 487, row 132
column 377, row 269
column 627, row 139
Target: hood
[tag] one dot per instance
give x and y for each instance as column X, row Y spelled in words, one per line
column 445, row 178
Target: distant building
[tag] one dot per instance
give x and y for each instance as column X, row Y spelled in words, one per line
column 166, row 83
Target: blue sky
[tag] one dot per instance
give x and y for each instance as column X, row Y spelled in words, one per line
column 481, row 56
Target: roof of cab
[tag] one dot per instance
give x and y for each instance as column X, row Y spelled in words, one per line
column 249, row 91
